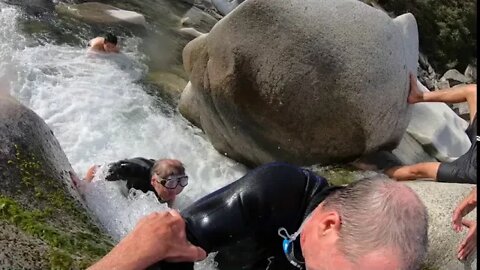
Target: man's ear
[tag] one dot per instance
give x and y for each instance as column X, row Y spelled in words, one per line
column 152, row 180
column 328, row 220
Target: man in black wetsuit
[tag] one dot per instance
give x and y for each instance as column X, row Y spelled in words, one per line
column 165, row 177
column 464, row 168
column 254, row 222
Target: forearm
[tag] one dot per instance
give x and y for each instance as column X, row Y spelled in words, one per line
column 469, row 203
column 119, row 260
column 472, row 197
column 450, row 95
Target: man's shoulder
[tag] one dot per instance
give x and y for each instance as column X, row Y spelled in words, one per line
column 96, row 40
column 96, row 43
column 140, row 161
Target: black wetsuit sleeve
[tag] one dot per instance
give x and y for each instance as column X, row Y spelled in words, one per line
column 119, row 170
column 129, row 168
column 256, row 205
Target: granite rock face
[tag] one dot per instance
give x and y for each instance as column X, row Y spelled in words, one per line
column 302, row 81
column 44, row 224
column 441, row 199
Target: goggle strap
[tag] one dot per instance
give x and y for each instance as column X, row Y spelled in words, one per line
column 282, row 232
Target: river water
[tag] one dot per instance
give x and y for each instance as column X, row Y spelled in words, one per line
column 100, row 109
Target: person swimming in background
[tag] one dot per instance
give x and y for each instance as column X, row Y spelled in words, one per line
column 165, row 177
column 107, row 44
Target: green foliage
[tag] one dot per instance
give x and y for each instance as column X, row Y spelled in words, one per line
column 447, row 29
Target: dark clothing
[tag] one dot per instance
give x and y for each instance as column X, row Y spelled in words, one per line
column 241, row 220
column 135, row 170
column 464, row 168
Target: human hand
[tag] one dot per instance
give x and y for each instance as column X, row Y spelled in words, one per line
column 91, row 173
column 156, row 237
column 414, row 95
column 465, row 207
column 470, row 242
column 162, row 237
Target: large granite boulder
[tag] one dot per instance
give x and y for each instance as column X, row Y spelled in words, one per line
column 302, row 81
column 441, row 200
column 43, row 225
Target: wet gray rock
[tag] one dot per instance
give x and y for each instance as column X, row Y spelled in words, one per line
column 34, row 7
column 454, row 77
column 438, row 129
column 94, row 12
column 198, row 19
column 226, row 6
column 471, row 73
column 39, row 206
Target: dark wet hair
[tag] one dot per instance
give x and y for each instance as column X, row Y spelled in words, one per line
column 111, row 38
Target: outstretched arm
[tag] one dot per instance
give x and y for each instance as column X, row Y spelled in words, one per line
column 158, row 236
column 457, row 94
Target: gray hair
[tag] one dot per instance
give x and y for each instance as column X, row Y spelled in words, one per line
column 381, row 213
column 166, row 167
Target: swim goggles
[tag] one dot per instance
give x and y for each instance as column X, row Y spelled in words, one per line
column 288, row 245
column 172, row 181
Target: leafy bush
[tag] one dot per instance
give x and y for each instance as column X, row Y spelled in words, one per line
column 447, row 29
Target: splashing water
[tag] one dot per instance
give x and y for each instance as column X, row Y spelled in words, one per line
column 100, row 113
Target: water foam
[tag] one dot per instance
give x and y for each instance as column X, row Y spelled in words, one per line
column 100, row 113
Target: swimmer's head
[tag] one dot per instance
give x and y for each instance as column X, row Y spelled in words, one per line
column 110, row 42
column 168, row 178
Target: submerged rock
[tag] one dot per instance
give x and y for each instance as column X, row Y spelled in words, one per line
column 313, row 88
column 34, row 7
column 226, row 6
column 170, row 83
column 94, row 12
column 37, row 208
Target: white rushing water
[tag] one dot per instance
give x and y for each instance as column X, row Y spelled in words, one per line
column 100, row 114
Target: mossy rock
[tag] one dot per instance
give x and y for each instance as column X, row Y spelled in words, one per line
column 39, row 205
column 341, row 174
column 171, row 84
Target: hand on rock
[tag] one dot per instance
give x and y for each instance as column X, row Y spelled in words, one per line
column 470, row 243
column 91, row 173
column 414, row 95
column 465, row 207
